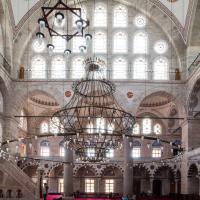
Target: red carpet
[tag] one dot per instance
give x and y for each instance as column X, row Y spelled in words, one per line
column 52, row 197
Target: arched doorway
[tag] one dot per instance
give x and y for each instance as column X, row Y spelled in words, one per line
column 141, row 180
column 157, row 187
column 165, row 181
column 193, row 180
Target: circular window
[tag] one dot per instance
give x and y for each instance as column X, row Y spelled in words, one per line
column 38, row 46
column 161, row 47
column 140, row 21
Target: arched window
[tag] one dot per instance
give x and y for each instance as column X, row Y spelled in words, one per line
column 120, row 43
column 38, row 68
column 120, row 68
column 157, row 129
column 1, row 102
column 77, row 42
column 136, row 129
column 62, row 149
column 83, row 15
column 44, row 148
column 100, row 16
column 146, row 126
column 156, row 149
column 140, row 68
column 44, row 127
column 23, row 121
column 54, row 125
column 58, row 68
column 91, row 152
column 160, row 69
column 77, row 68
column 110, row 153
column 59, row 44
column 120, row 16
column 136, row 151
column 100, row 42
column 140, row 43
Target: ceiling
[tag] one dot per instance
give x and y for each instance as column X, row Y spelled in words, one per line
column 178, row 8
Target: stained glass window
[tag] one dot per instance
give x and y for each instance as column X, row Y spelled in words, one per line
column 160, row 69
column 58, row 68
column 120, row 17
column 140, row 43
column 38, row 68
column 77, row 68
column 100, row 42
column 140, row 68
column 146, row 126
column 120, row 43
column 100, row 16
column 120, row 68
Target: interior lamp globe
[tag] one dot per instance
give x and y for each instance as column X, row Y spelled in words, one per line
column 59, row 18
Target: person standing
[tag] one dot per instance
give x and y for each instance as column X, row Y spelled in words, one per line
column 45, row 191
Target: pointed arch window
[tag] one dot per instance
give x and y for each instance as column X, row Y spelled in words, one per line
column 146, row 126
column 120, row 16
column 157, row 129
column 120, row 68
column 140, row 68
column 100, row 16
column 38, row 68
column 44, row 148
column 44, row 127
column 136, row 151
column 140, row 43
column 161, row 69
column 120, row 42
column 58, row 68
column 62, row 149
column 100, row 42
column 136, row 129
column 77, row 68
column 156, row 149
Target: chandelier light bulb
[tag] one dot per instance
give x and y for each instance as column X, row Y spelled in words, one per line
column 41, row 23
column 88, row 38
column 79, row 25
column 67, row 52
column 59, row 18
column 82, row 49
column 40, row 35
column 50, row 48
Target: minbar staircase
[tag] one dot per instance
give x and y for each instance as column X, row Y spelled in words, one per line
column 18, row 180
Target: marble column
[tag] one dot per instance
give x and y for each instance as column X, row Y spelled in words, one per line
column 39, row 182
column 128, row 169
column 151, row 185
column 98, row 184
column 68, row 174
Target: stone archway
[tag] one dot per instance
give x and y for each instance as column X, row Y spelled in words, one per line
column 141, row 180
column 164, row 177
column 193, row 180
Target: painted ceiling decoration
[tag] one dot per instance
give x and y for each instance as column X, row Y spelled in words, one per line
column 178, row 10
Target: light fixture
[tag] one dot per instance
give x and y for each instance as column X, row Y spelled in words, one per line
column 62, row 12
column 50, row 48
column 67, row 52
column 82, row 49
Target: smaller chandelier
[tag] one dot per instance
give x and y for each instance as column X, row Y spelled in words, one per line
column 55, row 22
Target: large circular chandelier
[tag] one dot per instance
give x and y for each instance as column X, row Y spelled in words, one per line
column 93, row 119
